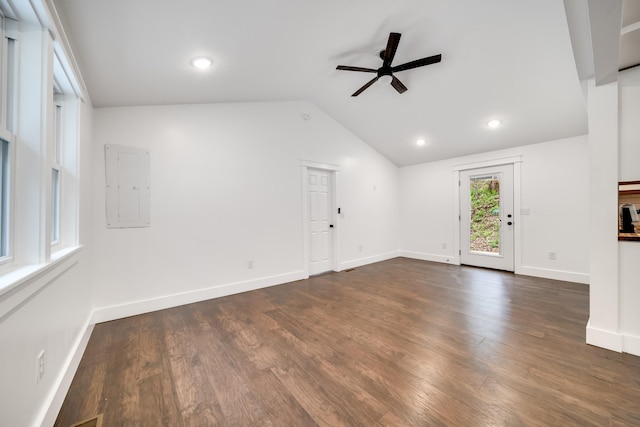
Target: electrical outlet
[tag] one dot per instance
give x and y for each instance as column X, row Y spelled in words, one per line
column 39, row 366
column 360, row 248
column 552, row 255
column 250, row 264
column 444, row 246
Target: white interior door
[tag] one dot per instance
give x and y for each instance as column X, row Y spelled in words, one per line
column 320, row 210
column 487, row 218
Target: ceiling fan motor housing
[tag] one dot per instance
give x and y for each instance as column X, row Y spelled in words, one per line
column 387, row 56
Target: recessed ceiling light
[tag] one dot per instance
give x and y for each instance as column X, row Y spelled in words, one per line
column 495, row 123
column 420, row 142
column 201, row 62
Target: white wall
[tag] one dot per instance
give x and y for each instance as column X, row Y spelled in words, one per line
column 554, row 186
column 54, row 319
column 629, row 83
column 629, row 170
column 603, row 327
column 629, row 296
column 226, row 189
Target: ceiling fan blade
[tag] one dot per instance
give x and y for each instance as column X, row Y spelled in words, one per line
column 392, row 46
column 349, row 68
column 363, row 88
column 397, row 85
column 417, row 63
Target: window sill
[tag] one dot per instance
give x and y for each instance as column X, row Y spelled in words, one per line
column 18, row 285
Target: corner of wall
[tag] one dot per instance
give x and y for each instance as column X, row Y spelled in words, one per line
column 605, row 339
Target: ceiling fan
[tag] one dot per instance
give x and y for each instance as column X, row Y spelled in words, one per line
column 386, row 69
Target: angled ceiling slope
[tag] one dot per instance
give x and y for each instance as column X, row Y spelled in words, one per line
column 500, row 59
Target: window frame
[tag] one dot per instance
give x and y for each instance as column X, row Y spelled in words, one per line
column 8, row 120
column 57, row 169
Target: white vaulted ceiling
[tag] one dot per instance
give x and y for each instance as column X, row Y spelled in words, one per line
column 503, row 59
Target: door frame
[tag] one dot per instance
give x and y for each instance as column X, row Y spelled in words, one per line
column 516, row 161
column 333, row 171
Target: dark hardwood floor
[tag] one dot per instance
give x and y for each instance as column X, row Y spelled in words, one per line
column 397, row 343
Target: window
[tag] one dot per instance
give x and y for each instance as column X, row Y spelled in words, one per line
column 56, row 171
column 4, row 199
column 44, row 218
column 40, row 117
column 8, row 51
column 7, row 129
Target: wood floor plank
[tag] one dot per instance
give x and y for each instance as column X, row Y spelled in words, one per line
column 120, row 392
column 397, row 343
column 193, row 391
column 91, row 378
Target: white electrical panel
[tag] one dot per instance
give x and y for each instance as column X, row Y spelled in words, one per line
column 128, row 188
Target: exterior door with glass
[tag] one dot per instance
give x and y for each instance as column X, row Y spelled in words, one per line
column 487, row 218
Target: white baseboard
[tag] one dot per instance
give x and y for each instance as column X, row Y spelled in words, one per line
column 631, row 344
column 605, row 339
column 447, row 259
column 54, row 401
column 566, row 276
column 105, row 314
column 367, row 260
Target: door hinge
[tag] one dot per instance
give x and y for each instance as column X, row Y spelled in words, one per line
column 459, row 183
column 459, row 251
column 459, row 218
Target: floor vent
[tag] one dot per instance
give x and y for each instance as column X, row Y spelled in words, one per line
column 91, row 422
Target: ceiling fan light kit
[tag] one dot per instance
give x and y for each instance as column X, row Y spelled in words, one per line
column 387, row 56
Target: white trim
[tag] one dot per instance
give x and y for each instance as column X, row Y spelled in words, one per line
column 367, row 260
column 605, row 339
column 488, row 163
column 318, row 165
column 305, row 222
column 545, row 273
column 105, row 314
column 8, row 9
column 55, row 399
column 631, row 344
column 630, row 28
column 19, row 285
column 445, row 259
column 517, row 229
column 456, row 217
column 336, row 219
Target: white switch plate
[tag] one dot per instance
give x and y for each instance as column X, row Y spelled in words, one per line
column 525, row 211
